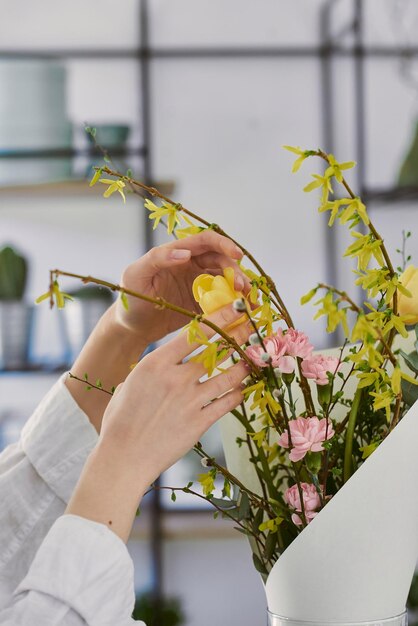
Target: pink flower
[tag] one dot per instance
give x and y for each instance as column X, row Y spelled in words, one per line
column 298, row 344
column 311, row 501
column 316, row 367
column 307, row 434
column 273, row 355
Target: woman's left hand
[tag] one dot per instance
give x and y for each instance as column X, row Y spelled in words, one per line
column 168, row 271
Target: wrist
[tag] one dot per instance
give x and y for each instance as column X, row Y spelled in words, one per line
column 108, row 491
column 130, row 339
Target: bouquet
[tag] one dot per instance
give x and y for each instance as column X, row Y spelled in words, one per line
column 310, row 420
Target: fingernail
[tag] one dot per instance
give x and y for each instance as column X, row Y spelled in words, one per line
column 180, row 254
column 239, row 282
column 238, row 251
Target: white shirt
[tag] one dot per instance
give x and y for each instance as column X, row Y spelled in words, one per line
column 55, row 568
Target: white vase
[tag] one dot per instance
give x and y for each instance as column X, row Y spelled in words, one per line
column 398, row 620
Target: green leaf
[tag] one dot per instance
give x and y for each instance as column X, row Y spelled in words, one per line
column 173, row 496
column 409, row 392
column 270, row 545
column 224, row 504
column 411, row 360
column 244, row 506
column 243, row 531
column 124, row 299
column 258, row 519
column 259, row 565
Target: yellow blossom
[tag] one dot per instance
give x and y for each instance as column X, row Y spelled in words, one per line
column 320, row 181
column 214, row 292
column 302, row 154
column 335, row 168
column 114, row 185
column 207, row 482
column 167, row 210
column 408, row 302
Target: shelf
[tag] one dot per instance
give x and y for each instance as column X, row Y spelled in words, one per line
column 69, row 153
column 75, row 187
column 37, row 368
column 391, row 194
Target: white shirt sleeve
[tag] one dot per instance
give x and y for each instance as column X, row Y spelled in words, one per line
column 37, row 477
column 81, row 575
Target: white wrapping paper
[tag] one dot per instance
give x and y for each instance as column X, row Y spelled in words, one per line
column 355, row 560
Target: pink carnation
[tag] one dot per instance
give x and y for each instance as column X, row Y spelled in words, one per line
column 298, row 344
column 316, row 367
column 307, row 434
column 311, row 501
column 276, row 349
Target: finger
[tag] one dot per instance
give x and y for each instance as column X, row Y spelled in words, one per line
column 217, row 409
column 179, row 348
column 208, row 241
column 163, row 257
column 239, row 333
column 218, row 385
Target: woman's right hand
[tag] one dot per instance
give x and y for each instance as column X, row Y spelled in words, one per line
column 157, row 415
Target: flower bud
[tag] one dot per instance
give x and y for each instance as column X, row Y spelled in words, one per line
column 254, row 339
column 239, row 305
column 205, row 461
column 276, row 394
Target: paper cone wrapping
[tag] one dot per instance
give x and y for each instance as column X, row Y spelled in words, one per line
column 355, row 560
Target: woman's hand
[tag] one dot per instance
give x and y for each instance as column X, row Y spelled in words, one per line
column 168, row 271
column 154, row 418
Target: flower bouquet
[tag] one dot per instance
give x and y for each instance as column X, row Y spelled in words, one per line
column 321, row 455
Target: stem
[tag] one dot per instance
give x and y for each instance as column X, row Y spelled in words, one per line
column 378, row 237
column 352, row 419
column 162, row 303
column 278, row 303
column 262, row 457
column 89, row 384
column 155, row 193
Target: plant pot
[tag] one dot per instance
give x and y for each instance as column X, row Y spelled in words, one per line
column 77, row 320
column 397, row 620
column 16, row 321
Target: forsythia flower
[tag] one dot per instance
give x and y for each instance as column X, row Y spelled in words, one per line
column 114, row 185
column 408, row 305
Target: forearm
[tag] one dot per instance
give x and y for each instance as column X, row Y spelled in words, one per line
column 109, row 490
column 107, row 356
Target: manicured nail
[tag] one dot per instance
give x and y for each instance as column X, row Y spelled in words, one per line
column 239, row 282
column 180, row 254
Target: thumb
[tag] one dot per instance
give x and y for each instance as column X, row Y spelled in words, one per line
column 164, row 257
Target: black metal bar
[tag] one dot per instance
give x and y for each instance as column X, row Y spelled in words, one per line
column 156, row 519
column 327, row 109
column 210, row 53
column 391, row 194
column 66, row 153
column 359, row 95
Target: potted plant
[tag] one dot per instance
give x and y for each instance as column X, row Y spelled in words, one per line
column 81, row 315
column 16, row 315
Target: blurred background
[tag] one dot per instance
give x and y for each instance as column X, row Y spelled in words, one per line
column 196, row 97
